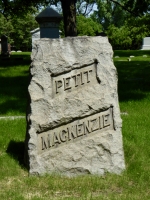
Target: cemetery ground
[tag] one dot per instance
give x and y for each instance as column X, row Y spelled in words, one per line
column 134, row 100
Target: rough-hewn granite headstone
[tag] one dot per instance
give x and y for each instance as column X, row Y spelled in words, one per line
column 74, row 124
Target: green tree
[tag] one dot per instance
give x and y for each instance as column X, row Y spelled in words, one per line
column 22, row 27
column 115, row 12
column 85, row 7
column 131, row 34
column 139, row 28
column 134, row 7
column 119, row 37
column 10, row 8
column 6, row 28
column 86, row 26
column 18, row 29
column 108, row 13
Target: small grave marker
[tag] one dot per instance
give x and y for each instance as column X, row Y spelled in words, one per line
column 146, row 43
column 4, row 46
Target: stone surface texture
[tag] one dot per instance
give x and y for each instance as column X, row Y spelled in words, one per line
column 73, row 120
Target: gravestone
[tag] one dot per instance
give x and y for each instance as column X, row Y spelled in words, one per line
column 73, row 119
column 36, row 34
column 9, row 48
column 0, row 44
column 146, row 43
column 4, row 46
column 49, row 21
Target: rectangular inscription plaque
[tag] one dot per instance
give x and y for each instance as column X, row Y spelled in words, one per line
column 76, row 79
column 75, row 130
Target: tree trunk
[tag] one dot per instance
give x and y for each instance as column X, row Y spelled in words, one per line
column 69, row 15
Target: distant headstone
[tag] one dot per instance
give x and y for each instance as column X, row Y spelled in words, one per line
column 36, row 34
column 73, row 120
column 49, row 21
column 146, row 43
column 9, row 48
column 4, row 46
column 0, row 44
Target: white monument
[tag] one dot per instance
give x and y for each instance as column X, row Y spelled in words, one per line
column 35, row 34
column 146, row 43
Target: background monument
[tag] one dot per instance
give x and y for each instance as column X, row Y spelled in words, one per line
column 146, row 43
column 49, row 21
column 4, row 46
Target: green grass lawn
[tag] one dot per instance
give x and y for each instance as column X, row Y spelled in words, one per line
column 13, row 84
column 134, row 99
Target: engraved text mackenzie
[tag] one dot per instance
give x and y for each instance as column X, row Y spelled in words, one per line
column 76, row 130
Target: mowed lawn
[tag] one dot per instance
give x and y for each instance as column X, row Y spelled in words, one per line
column 134, row 99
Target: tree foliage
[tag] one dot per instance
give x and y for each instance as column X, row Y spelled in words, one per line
column 131, row 34
column 86, row 26
column 18, row 30
column 134, row 7
column 125, row 21
column 85, row 7
column 108, row 13
column 19, row 7
column 10, row 8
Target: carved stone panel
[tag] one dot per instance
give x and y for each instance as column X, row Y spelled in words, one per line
column 74, row 124
column 77, row 79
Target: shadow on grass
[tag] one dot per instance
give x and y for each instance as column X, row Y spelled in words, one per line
column 15, row 60
column 14, row 106
column 13, row 93
column 127, row 53
column 133, row 79
column 14, row 81
column 16, row 150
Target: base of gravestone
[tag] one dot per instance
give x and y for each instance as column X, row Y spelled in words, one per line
column 19, row 58
column 73, row 117
column 5, row 55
